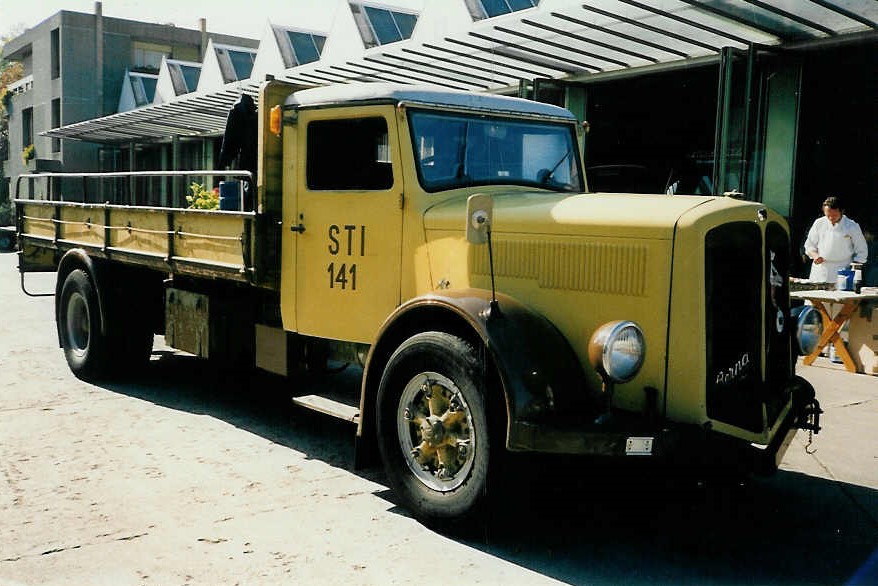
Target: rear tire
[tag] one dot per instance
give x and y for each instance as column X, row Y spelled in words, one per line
column 433, row 429
column 79, row 327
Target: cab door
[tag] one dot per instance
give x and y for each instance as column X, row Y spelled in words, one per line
column 349, row 214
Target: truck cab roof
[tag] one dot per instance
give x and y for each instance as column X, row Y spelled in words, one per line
column 342, row 94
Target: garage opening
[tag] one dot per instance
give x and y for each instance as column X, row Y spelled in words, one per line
column 653, row 132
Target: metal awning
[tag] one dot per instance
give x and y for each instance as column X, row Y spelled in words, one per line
column 580, row 41
column 591, row 38
column 191, row 115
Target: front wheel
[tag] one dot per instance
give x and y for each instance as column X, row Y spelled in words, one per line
column 433, row 428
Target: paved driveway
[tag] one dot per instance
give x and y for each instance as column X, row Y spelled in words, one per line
column 189, row 476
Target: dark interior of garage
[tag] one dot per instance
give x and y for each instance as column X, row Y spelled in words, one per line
column 649, row 132
column 838, row 143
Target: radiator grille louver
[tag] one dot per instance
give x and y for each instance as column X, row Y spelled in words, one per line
column 748, row 328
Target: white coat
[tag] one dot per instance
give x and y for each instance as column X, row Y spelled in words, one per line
column 839, row 244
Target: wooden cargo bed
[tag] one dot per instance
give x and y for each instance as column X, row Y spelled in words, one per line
column 205, row 243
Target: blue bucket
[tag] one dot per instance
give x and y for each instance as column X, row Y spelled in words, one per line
column 230, row 195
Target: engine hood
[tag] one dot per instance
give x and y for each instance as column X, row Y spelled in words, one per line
column 600, row 215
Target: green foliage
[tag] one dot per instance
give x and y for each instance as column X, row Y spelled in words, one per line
column 201, row 198
column 5, row 100
column 10, row 72
column 6, row 215
column 28, row 153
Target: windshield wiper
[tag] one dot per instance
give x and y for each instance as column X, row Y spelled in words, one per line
column 545, row 175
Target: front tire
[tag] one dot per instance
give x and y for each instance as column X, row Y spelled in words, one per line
column 433, row 430
column 79, row 327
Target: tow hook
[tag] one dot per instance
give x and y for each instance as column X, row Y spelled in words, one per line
column 809, row 417
column 809, row 411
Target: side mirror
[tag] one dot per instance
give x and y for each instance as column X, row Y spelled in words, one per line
column 479, row 215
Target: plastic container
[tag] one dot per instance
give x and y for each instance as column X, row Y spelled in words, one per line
column 230, row 195
column 844, row 280
column 858, row 276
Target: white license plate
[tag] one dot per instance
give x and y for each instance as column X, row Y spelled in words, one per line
column 638, row 446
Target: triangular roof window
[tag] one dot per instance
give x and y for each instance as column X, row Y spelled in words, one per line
column 299, row 47
column 380, row 25
column 481, row 9
column 236, row 63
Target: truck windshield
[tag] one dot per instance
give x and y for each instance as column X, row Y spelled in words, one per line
column 460, row 150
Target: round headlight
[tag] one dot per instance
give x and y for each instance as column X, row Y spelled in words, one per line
column 809, row 328
column 617, row 349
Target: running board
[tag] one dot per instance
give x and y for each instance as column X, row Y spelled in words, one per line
column 329, row 407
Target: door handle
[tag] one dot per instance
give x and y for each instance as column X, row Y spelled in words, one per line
column 300, row 228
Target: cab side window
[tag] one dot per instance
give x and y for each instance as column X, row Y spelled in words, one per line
column 348, row 155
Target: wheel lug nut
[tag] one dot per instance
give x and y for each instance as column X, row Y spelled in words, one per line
column 407, row 415
column 416, row 453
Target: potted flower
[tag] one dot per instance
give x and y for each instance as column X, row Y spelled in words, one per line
column 28, row 154
column 201, row 198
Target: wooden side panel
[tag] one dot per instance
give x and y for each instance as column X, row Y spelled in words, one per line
column 209, row 238
column 141, row 230
column 200, row 242
column 82, row 225
column 37, row 220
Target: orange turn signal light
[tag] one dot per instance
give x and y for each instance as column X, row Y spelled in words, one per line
column 274, row 120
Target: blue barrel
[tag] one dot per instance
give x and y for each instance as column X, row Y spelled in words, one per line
column 230, row 195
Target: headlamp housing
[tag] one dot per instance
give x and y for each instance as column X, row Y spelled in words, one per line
column 809, row 327
column 617, row 350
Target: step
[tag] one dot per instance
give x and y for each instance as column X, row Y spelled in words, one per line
column 328, row 406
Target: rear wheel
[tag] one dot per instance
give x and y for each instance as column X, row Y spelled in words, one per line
column 79, row 327
column 433, row 427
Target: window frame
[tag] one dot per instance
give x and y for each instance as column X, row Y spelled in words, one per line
column 367, row 28
column 384, row 162
column 438, row 187
column 27, row 127
column 478, row 11
column 56, row 123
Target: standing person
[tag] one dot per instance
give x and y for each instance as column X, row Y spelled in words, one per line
column 834, row 242
column 239, row 148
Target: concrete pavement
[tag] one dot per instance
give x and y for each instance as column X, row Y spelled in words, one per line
column 187, row 476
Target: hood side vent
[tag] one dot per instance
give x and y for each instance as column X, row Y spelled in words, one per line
column 595, row 267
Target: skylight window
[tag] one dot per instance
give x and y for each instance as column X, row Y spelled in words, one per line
column 143, row 88
column 242, row 62
column 184, row 76
column 307, row 47
column 235, row 63
column 481, row 9
column 381, row 26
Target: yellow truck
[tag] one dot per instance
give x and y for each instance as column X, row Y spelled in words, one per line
column 448, row 242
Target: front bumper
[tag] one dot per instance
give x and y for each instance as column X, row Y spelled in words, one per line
column 804, row 414
column 683, row 445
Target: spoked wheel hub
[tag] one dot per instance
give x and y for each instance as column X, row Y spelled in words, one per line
column 436, row 435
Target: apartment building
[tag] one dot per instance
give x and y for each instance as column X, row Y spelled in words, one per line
column 75, row 66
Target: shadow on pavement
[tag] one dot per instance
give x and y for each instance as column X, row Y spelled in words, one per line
column 571, row 519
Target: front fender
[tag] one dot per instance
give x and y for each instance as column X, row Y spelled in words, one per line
column 539, row 374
